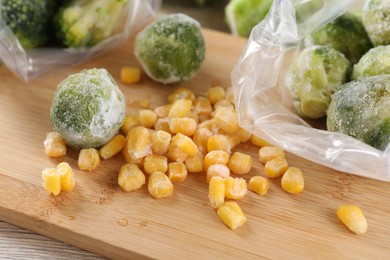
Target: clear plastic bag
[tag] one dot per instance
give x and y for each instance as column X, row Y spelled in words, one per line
column 264, row 102
column 29, row 63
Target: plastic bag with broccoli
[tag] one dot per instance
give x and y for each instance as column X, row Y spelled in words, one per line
column 274, row 93
column 39, row 35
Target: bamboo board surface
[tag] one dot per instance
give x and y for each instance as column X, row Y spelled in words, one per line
column 98, row 216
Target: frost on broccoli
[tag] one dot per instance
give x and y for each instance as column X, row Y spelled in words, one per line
column 30, row 21
column 375, row 62
column 83, row 23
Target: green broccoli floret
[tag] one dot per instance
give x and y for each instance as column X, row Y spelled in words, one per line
column 29, row 20
column 83, row 23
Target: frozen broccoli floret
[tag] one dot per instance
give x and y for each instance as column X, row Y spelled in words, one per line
column 376, row 20
column 88, row 108
column 171, row 49
column 375, row 62
column 243, row 15
column 346, row 34
column 361, row 109
column 313, row 77
column 83, row 23
column 30, row 20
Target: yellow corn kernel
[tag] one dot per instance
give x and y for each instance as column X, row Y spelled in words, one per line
column 195, row 163
column 243, row 134
column 183, row 125
column 234, row 140
column 226, row 120
column 223, row 104
column 230, row 95
column 209, row 124
column 130, row 177
column 160, row 141
column 220, row 170
column 180, row 108
column 353, row 218
column 162, row 124
column 162, row 111
column 139, row 162
column 175, row 153
column 89, row 159
column 240, row 163
column 216, row 191
column 129, row 122
column 203, row 118
column 219, row 142
column 235, row 188
column 130, row 75
column 112, row 147
column 258, row 184
column 138, row 142
column 147, row 118
column 268, row 153
column 292, row 180
column 231, row 214
column 181, row 93
column 54, row 145
column 276, row 167
column 193, row 115
column 144, row 103
column 154, row 162
column 200, row 138
column 185, row 144
column 215, row 94
column 259, row 141
column 203, row 107
column 51, row 181
column 66, row 174
column 159, row 185
column 215, row 157
column 177, row 172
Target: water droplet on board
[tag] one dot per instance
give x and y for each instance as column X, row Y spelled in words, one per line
column 123, row 222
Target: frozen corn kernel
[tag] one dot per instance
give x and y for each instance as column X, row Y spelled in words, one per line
column 234, row 140
column 51, row 181
column 219, row 142
column 185, row 144
column 230, row 95
column 292, row 180
column 54, row 145
column 223, row 104
column 130, row 177
column 200, row 138
column 159, row 185
column 220, row 170
column 112, row 147
column 268, row 153
column 89, row 159
column 193, row 116
column 180, row 108
column 203, row 107
column 162, row 111
column 66, row 175
column 183, row 125
column 138, row 142
column 226, row 120
column 181, row 93
column 129, row 122
column 175, row 153
column 235, row 188
column 144, row 103
column 243, row 134
column 162, row 124
column 240, row 163
column 154, row 162
column 147, row 118
column 215, row 157
column 231, row 214
column 276, row 167
column 216, row 191
column 195, row 163
column 352, row 217
column 130, row 75
column 215, row 94
column 160, row 141
column 258, row 184
column 255, row 140
column 139, row 162
column 177, row 172
column 209, row 124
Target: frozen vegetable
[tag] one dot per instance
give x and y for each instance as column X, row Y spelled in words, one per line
column 361, row 109
column 171, row 49
column 314, row 76
column 375, row 62
column 346, row 34
column 88, row 108
column 376, row 20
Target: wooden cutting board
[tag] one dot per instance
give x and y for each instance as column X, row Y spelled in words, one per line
column 98, row 216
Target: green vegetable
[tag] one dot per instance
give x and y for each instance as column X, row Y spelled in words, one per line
column 83, row 23
column 171, row 49
column 243, row 15
column 88, row 108
column 376, row 20
column 361, row 109
column 30, row 20
column 373, row 63
column 313, row 77
column 346, row 34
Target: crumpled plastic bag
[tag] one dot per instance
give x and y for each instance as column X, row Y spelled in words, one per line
column 29, row 63
column 264, row 103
